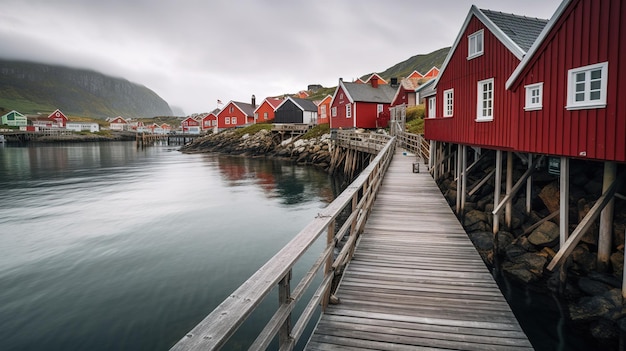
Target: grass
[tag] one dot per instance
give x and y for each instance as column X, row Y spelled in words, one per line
column 415, row 119
column 317, row 131
column 253, row 129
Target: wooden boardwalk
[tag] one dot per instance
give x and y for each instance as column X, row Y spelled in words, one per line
column 416, row 282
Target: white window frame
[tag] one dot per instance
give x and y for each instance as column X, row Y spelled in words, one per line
column 227, row 120
column 265, row 114
column 233, row 120
column 481, row 100
column 448, row 103
column 323, row 111
column 379, row 108
column 586, row 84
column 333, row 111
column 475, row 44
column 534, row 97
column 348, row 111
column 432, row 106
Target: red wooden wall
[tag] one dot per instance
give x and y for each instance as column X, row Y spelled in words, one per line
column 588, row 32
column 463, row 75
column 340, row 101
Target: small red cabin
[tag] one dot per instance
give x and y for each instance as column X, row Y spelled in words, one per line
column 58, row 118
column 236, row 114
column 323, row 110
column 471, row 105
column 265, row 111
column 567, row 88
column 359, row 105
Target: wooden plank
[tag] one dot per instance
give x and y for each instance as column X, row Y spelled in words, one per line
column 416, row 282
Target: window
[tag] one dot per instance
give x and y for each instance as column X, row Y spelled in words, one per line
column 432, row 107
column 233, row 120
column 333, row 111
column 485, row 100
column 214, row 122
column 586, row 86
column 265, row 116
column 230, row 109
column 348, row 111
column 475, row 44
column 379, row 108
column 534, row 97
column 323, row 111
column 448, row 103
column 256, row 116
column 227, row 120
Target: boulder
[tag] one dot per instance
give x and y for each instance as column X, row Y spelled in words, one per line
column 607, row 305
column 584, row 260
column 547, row 234
column 549, row 194
column 504, row 240
column 592, row 287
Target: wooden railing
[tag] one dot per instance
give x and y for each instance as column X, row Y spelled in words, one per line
column 416, row 144
column 215, row 329
column 366, row 142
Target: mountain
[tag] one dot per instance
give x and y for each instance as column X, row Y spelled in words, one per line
column 421, row 63
column 34, row 87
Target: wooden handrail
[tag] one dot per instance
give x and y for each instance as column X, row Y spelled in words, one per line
column 216, row 328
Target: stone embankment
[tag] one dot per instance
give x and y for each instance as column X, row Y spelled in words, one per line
column 314, row 151
column 522, row 252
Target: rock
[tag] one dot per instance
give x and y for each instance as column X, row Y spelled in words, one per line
column 504, row 240
column 527, row 267
column 605, row 329
column 592, row 287
column 550, row 196
column 473, row 217
column 608, row 305
column 585, row 261
column 483, row 241
column 547, row 234
column 617, row 262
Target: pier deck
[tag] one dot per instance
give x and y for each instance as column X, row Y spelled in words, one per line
column 416, row 281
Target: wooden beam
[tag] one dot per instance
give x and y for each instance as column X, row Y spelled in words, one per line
column 508, row 213
column 469, row 169
column 605, row 239
column 496, row 192
column 482, row 182
column 583, row 226
column 464, row 179
column 545, row 219
column 564, row 201
column 515, row 188
column 529, row 186
column 459, row 170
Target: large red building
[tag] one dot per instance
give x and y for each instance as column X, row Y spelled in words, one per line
column 567, row 87
column 361, row 105
column 471, row 105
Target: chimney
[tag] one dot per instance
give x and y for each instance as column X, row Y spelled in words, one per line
column 374, row 81
column 394, row 81
column 253, row 100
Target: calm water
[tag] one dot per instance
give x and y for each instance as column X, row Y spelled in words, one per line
column 106, row 247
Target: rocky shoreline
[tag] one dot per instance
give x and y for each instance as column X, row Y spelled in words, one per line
column 303, row 151
column 594, row 300
column 522, row 252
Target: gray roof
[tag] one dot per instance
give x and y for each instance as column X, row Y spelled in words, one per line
column 305, row 104
column 522, row 30
column 366, row 93
column 248, row 109
column 426, row 89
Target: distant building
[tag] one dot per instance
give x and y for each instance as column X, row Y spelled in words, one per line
column 14, row 119
column 83, row 126
column 118, row 123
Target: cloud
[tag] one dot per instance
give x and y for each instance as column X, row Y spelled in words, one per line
column 194, row 52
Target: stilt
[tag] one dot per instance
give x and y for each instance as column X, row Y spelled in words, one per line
column 605, row 238
column 464, row 180
column 496, row 192
column 529, row 186
column 564, row 202
column 459, row 172
column 508, row 210
column 431, row 152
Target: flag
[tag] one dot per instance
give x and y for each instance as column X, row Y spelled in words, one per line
column 219, row 102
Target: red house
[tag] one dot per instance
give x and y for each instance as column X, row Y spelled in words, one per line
column 190, row 125
column 567, row 88
column 323, row 110
column 265, row 111
column 405, row 93
column 432, row 73
column 210, row 120
column 359, row 105
column 415, row 75
column 471, row 105
column 236, row 114
column 58, row 118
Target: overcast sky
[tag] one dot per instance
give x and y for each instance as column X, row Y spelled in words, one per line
column 194, row 52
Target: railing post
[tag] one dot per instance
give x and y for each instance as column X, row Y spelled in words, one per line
column 328, row 267
column 284, row 297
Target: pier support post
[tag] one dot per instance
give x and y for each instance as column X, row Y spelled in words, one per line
column 564, row 202
column 464, row 181
column 496, row 192
column 606, row 219
column 459, row 175
column 529, row 186
column 284, row 298
column 508, row 209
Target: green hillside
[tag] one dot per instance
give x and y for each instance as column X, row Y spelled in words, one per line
column 421, row 63
column 31, row 88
